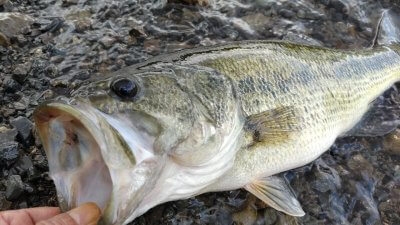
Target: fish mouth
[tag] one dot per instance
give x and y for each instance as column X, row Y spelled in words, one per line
column 73, row 143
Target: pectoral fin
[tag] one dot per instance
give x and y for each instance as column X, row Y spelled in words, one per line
column 276, row 193
column 274, row 126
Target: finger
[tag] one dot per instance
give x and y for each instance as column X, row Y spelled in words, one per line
column 41, row 213
column 86, row 214
column 27, row 216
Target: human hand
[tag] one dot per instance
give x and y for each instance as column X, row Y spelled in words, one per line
column 86, row 214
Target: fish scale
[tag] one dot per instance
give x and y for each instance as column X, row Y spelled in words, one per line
column 331, row 89
column 210, row 119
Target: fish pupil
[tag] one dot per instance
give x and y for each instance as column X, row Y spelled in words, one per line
column 125, row 88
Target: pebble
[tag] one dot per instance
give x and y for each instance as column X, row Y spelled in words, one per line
column 8, row 152
column 13, row 23
column 7, row 134
column 23, row 205
column 14, row 187
column 193, row 2
column 286, row 13
column 51, row 71
column 66, row 3
column 3, row 2
column 25, row 163
column 152, row 46
column 21, row 71
column 4, row 203
column 391, row 142
column 107, row 41
column 24, row 127
column 11, row 85
column 40, row 161
column 4, row 41
column 257, row 21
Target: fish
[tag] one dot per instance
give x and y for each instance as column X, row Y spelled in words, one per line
column 208, row 119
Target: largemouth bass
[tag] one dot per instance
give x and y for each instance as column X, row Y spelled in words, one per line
column 208, row 119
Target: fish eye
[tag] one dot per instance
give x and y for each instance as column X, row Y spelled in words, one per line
column 124, row 88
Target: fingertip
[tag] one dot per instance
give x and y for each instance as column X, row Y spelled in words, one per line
column 87, row 213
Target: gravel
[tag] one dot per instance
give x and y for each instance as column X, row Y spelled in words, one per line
column 49, row 47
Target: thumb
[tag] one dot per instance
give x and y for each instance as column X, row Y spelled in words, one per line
column 86, row 214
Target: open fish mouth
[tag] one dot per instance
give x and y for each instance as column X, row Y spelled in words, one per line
column 93, row 156
column 73, row 143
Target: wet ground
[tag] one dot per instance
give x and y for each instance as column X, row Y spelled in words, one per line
column 47, row 47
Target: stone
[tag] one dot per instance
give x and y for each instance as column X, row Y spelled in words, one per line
column 24, row 127
column 8, row 153
column 13, row 23
column 152, row 46
column 25, row 163
column 391, row 142
column 66, row 3
column 257, row 21
column 4, row 204
column 4, row 41
column 107, row 41
column 3, row 2
column 20, row 40
column 10, row 85
column 286, row 13
column 21, row 71
column 23, row 205
column 14, row 187
column 193, row 2
column 40, row 161
column 7, row 134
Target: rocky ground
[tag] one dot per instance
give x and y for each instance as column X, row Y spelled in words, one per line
column 47, row 47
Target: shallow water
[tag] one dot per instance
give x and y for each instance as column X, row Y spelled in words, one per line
column 356, row 182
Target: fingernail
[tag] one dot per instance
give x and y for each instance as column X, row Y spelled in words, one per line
column 86, row 214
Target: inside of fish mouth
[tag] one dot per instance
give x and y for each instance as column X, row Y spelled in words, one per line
column 75, row 160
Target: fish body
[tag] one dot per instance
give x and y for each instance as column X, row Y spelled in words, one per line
column 210, row 119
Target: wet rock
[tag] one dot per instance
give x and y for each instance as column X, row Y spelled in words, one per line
column 4, row 41
column 193, row 2
column 23, row 205
column 270, row 216
column 107, row 41
column 40, row 161
column 8, row 152
column 4, row 203
column 3, row 2
column 25, row 163
column 24, row 127
column 286, row 13
column 152, row 46
column 21, row 71
column 14, row 187
column 7, row 134
column 392, row 142
column 14, row 23
column 248, row 215
column 82, row 25
column 67, row 3
column 257, row 21
column 10, row 85
column 7, row 112
column 51, row 71
column 20, row 40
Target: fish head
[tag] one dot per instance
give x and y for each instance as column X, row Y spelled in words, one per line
column 109, row 142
